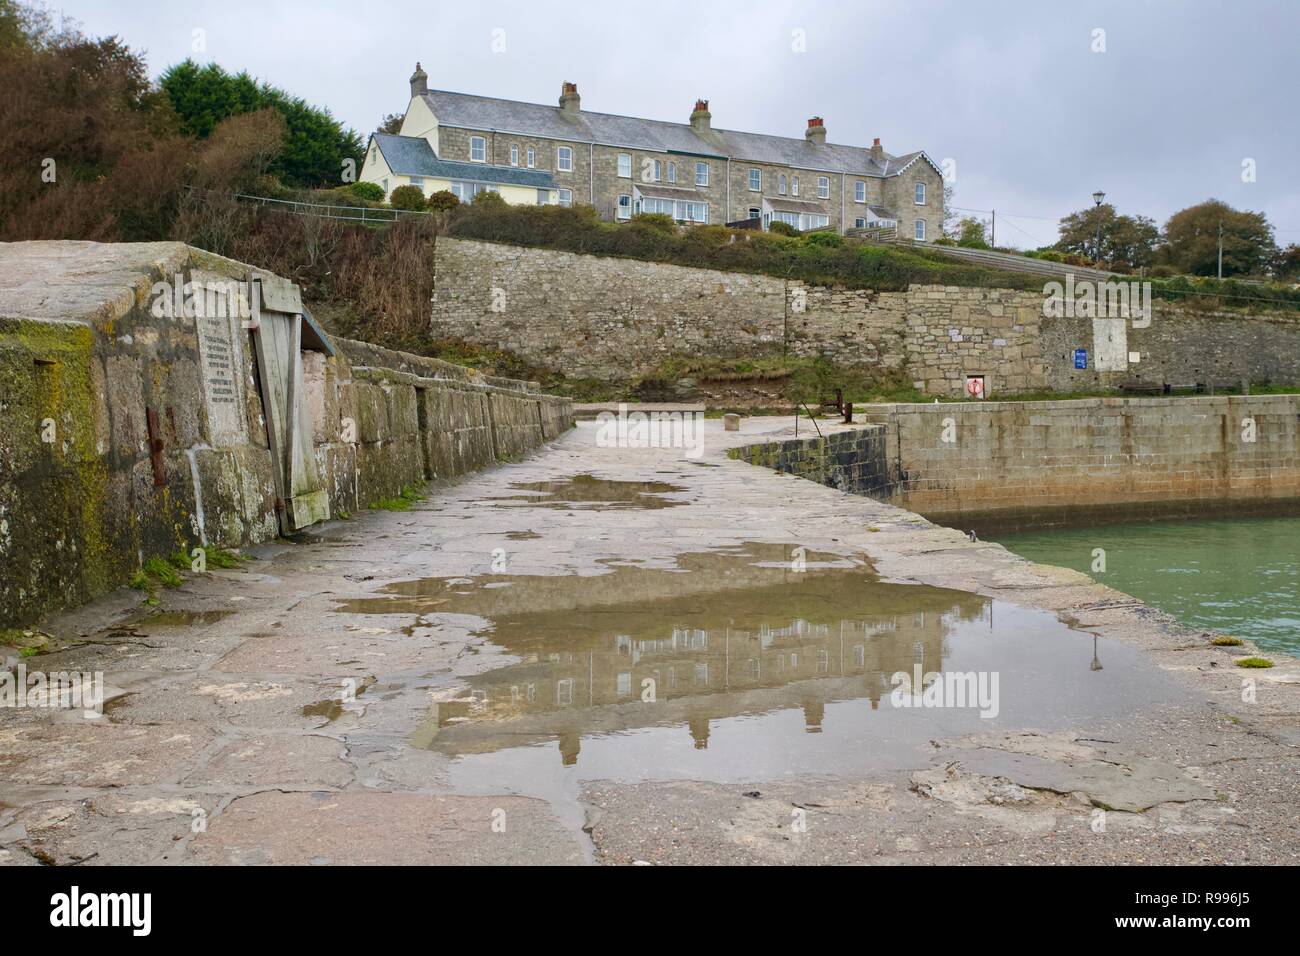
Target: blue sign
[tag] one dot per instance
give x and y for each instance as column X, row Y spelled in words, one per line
column 1080, row 358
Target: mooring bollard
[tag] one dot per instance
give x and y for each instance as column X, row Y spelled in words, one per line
column 731, row 422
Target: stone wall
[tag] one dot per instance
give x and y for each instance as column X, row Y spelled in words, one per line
column 981, row 465
column 85, row 361
column 596, row 317
column 854, row 460
column 601, row 317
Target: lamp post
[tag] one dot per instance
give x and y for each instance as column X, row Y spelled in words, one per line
column 1097, row 197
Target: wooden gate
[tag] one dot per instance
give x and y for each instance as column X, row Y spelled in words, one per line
column 277, row 327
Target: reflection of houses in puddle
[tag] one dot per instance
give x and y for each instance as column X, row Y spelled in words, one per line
column 693, row 664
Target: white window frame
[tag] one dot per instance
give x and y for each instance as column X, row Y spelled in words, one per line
column 859, row 223
column 918, row 230
column 417, row 181
column 543, row 197
column 514, row 154
column 623, row 210
column 755, row 180
column 918, row 194
column 672, row 172
column 532, row 157
column 823, row 187
column 624, row 165
column 794, row 185
column 755, row 212
column 701, row 173
column 859, row 191
column 566, row 197
column 560, row 164
column 781, row 184
column 479, row 142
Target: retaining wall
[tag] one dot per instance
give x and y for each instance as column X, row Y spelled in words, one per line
column 84, row 355
column 1009, row 464
column 854, row 460
column 609, row 318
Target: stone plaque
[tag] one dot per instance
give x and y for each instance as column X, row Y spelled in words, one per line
column 1110, row 345
column 221, row 356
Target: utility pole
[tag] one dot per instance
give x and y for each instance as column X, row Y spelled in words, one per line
column 1220, row 248
column 993, row 230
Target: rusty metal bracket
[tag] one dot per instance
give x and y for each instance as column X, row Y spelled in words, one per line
column 155, row 447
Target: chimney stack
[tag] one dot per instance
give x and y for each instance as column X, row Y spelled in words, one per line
column 570, row 101
column 419, row 82
column 701, row 117
column 877, row 153
column 816, row 131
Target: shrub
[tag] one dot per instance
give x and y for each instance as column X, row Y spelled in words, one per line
column 828, row 240
column 489, row 197
column 408, row 197
column 660, row 221
column 782, row 228
column 371, row 191
column 443, row 200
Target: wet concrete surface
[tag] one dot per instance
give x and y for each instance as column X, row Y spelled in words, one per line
column 619, row 656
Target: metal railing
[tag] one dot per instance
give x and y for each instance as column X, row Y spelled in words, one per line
column 362, row 214
column 987, row 257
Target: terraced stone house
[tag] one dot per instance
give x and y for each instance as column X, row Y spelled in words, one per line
column 622, row 165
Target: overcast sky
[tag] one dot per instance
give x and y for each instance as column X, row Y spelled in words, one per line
column 1013, row 92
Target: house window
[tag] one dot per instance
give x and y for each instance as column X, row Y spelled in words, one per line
column 815, row 221
column 920, row 230
column 625, row 165
column 417, row 181
column 672, row 172
column 384, row 183
column 659, row 171
column 564, row 159
column 680, row 209
column 780, row 184
column 566, row 197
column 920, row 194
column 755, row 212
column 477, row 149
column 859, row 191
column 756, row 180
column 624, row 207
column 823, row 187
column 859, row 223
column 532, row 157
column 514, row 154
column 543, row 197
column 465, row 192
column 701, row 174
column 564, row 692
column 794, row 185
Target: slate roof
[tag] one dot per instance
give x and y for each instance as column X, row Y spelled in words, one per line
column 413, row 156
column 534, row 119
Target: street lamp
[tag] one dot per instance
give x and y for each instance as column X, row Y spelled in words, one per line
column 1097, row 197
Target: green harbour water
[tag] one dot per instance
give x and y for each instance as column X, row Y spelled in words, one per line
column 1236, row 575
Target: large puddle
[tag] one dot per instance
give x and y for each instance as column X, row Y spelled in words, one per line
column 588, row 491
column 743, row 664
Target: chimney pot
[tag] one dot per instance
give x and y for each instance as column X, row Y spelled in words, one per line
column 877, row 153
column 701, row 117
column 570, row 101
column 419, row 82
column 816, row 131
